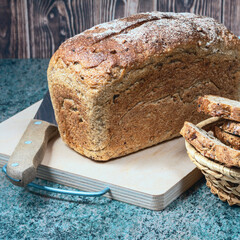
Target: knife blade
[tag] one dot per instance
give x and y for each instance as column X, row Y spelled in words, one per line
column 29, row 152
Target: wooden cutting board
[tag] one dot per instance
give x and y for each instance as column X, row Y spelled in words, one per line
column 151, row 178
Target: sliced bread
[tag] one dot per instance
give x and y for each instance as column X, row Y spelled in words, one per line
column 227, row 138
column 219, row 107
column 231, row 127
column 210, row 146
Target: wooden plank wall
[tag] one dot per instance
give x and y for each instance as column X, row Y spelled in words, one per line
column 35, row 28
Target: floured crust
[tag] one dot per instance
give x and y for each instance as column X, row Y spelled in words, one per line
column 210, row 146
column 219, row 107
column 129, row 84
column 227, row 138
column 133, row 42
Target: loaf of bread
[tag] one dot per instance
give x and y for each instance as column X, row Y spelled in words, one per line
column 219, row 107
column 131, row 83
column 210, row 146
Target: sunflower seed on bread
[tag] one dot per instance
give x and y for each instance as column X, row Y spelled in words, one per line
column 209, row 146
column 219, row 107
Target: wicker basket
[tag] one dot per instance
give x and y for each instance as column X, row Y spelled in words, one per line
column 223, row 181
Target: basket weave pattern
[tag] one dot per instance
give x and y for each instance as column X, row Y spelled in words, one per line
column 223, row 181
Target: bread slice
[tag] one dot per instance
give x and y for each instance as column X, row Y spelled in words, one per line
column 231, row 127
column 227, row 138
column 210, row 146
column 219, row 107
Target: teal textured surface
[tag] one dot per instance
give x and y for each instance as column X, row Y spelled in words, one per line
column 34, row 214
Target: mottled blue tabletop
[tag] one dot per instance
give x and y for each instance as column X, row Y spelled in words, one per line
column 33, row 214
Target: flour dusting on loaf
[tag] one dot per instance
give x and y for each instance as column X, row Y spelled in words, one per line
column 131, row 83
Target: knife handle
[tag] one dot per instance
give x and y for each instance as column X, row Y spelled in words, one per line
column 29, row 153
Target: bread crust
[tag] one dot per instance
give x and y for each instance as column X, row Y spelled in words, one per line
column 129, row 84
column 134, row 41
column 210, row 105
column 227, row 138
column 209, row 146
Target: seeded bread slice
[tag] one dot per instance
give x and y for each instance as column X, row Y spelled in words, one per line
column 219, row 107
column 209, row 146
column 227, row 138
column 231, row 127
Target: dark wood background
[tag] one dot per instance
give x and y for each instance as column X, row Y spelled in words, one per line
column 35, row 28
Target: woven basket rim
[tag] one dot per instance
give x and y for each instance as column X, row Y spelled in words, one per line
column 230, row 172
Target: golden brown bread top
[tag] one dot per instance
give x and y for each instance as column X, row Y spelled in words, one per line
column 133, row 41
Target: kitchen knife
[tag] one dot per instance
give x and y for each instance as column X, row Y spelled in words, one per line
column 29, row 152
